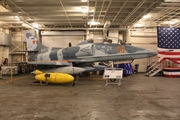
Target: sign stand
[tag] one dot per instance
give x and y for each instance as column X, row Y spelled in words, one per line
column 113, row 74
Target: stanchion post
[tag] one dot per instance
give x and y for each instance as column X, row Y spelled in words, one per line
column 46, row 76
column 11, row 75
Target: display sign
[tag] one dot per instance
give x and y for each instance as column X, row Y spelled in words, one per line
column 113, row 73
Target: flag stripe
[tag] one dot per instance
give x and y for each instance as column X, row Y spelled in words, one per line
column 169, row 53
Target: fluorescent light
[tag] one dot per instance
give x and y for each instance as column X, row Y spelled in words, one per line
column 173, row 21
column 138, row 25
column 16, row 17
column 84, row 0
column 93, row 23
column 27, row 25
column 35, row 25
column 146, row 16
column 24, row 25
column 84, row 9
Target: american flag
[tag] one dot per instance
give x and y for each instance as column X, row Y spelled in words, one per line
column 168, row 44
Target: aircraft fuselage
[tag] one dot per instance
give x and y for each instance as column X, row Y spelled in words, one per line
column 92, row 52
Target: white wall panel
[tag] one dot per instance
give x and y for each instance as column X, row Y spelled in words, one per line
column 4, row 53
column 113, row 33
column 143, row 62
column 145, row 39
column 62, row 38
column 17, row 44
column 96, row 36
column 61, row 41
column 142, row 40
column 63, row 33
column 143, row 34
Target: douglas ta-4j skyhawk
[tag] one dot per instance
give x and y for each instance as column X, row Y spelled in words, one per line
column 82, row 55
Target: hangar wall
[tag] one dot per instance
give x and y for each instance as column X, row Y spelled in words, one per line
column 16, row 45
column 4, row 48
column 62, row 38
column 145, row 38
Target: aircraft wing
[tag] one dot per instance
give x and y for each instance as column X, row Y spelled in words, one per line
column 59, row 63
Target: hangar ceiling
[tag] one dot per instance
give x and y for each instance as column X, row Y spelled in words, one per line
column 88, row 14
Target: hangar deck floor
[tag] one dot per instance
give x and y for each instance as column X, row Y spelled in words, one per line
column 138, row 98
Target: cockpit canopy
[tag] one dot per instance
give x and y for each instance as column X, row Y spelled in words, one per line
column 104, row 40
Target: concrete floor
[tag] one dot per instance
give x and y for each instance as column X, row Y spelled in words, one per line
column 138, row 98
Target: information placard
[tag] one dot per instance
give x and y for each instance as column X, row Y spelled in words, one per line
column 113, row 73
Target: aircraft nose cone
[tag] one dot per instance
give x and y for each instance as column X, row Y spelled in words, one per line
column 151, row 53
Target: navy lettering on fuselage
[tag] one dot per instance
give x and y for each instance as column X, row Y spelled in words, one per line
column 106, row 49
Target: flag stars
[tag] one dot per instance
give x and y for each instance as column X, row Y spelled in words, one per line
column 168, row 38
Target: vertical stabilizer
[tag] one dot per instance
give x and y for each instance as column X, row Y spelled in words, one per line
column 32, row 43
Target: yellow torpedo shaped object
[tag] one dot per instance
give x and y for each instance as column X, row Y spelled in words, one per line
column 37, row 72
column 54, row 77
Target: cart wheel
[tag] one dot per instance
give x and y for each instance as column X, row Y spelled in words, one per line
column 73, row 83
column 112, row 80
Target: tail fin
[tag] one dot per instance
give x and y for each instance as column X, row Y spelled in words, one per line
column 32, row 43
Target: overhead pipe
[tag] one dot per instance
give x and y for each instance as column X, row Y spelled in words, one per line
column 134, row 10
column 100, row 11
column 136, row 19
column 119, row 10
column 107, row 8
column 65, row 12
column 94, row 10
column 82, row 28
column 168, row 14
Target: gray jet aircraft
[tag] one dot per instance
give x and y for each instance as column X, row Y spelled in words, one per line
column 83, row 54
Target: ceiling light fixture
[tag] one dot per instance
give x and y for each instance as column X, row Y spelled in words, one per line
column 84, row 9
column 16, row 17
column 138, row 25
column 35, row 25
column 84, row 0
column 27, row 25
column 146, row 16
column 173, row 21
column 93, row 23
